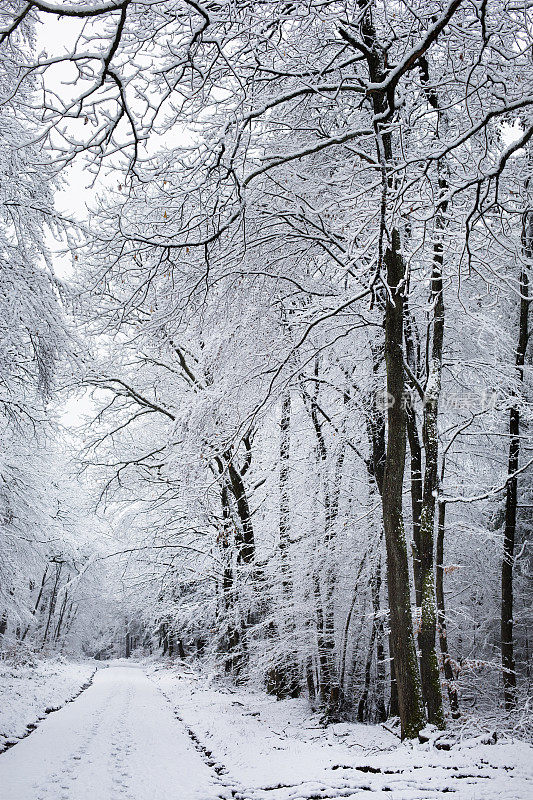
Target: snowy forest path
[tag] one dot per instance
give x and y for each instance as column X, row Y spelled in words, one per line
column 119, row 740
column 123, row 738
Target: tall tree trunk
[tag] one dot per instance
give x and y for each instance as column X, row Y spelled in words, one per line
column 376, row 430
column 377, row 641
column 511, row 497
column 245, row 542
column 284, row 679
column 375, row 425
column 310, row 679
column 61, row 617
column 347, row 625
column 71, row 616
column 401, row 623
column 441, row 610
column 52, row 605
column 416, row 498
column 429, row 666
column 403, row 643
column 324, row 580
column 238, row 535
column 36, row 606
column 412, row 352
column 232, row 644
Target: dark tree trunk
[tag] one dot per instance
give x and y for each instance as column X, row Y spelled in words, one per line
column 401, row 623
column 375, row 424
column 310, row 679
column 441, row 611
column 163, row 637
column 71, row 616
column 61, row 617
column 403, row 643
column 376, row 430
column 416, row 498
column 324, row 581
column 39, row 596
column 245, row 541
column 429, row 666
column 233, row 640
column 511, row 497
column 376, row 640
column 412, row 352
column 51, row 607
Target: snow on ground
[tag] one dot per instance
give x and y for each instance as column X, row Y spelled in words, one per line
column 119, row 740
column 277, row 751
column 26, row 691
column 148, row 732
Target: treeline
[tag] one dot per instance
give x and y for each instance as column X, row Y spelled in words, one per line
column 304, row 293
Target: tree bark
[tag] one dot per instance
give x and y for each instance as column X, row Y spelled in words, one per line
column 51, row 608
column 61, row 617
column 233, row 639
column 376, row 430
column 36, row 606
column 441, row 610
column 412, row 352
column 403, row 643
column 284, row 678
column 429, row 666
column 511, row 496
column 377, row 640
column 324, row 581
column 245, row 542
column 416, row 498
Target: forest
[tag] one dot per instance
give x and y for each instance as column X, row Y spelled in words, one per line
column 266, row 386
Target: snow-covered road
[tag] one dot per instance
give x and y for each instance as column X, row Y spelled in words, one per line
column 173, row 735
column 118, row 741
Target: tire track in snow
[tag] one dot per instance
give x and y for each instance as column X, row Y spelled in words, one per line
column 238, row 792
column 120, row 741
column 63, row 779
